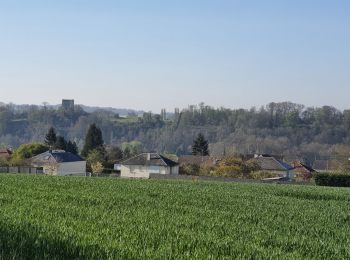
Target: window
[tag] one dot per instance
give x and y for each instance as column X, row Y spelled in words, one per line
column 154, row 169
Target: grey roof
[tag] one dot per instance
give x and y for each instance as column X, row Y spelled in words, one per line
column 58, row 155
column 272, row 164
column 150, row 159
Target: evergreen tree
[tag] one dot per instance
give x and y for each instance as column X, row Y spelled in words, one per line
column 61, row 143
column 72, row 147
column 126, row 153
column 200, row 146
column 113, row 154
column 51, row 137
column 93, row 140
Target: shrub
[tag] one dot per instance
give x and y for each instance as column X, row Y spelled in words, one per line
column 189, row 169
column 236, row 167
column 250, row 166
column 25, row 152
column 303, row 177
column 97, row 168
column 233, row 171
column 206, row 171
column 332, row 179
column 4, row 162
column 230, row 166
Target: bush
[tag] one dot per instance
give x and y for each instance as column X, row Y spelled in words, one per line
column 236, row 168
column 27, row 151
column 4, row 162
column 189, row 169
column 303, row 177
column 233, row 171
column 232, row 167
column 206, row 171
column 332, row 179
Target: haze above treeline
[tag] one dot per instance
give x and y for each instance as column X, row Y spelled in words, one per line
column 127, row 111
column 87, row 108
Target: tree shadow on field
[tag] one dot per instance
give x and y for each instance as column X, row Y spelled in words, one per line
column 27, row 242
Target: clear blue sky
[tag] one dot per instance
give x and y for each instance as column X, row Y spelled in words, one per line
column 155, row 53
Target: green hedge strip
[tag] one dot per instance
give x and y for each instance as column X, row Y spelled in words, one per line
column 332, row 179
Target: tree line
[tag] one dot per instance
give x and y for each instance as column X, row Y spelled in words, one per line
column 277, row 128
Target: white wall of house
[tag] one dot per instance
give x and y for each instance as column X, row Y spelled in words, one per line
column 64, row 169
column 140, row 171
column 49, row 169
column 175, row 170
column 71, row 168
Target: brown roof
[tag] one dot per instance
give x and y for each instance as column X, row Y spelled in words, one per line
column 5, row 153
column 199, row 160
column 303, row 168
column 150, row 159
column 272, row 164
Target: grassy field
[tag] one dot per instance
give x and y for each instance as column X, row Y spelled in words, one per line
column 53, row 217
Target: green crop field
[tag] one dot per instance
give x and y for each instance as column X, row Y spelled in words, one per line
column 96, row 218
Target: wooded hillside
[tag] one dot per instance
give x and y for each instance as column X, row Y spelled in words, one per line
column 278, row 128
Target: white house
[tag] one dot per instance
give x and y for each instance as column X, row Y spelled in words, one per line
column 143, row 165
column 61, row 163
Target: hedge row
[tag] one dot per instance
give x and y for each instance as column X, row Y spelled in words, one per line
column 332, row 179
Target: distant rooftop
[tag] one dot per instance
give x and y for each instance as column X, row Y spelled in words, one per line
column 5, row 153
column 272, row 164
column 149, row 159
column 59, row 156
column 199, row 160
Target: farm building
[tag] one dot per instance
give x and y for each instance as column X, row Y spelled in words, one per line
column 61, row 163
column 303, row 170
column 271, row 164
column 143, row 165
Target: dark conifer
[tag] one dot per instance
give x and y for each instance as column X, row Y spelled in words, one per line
column 61, row 143
column 200, row 146
column 93, row 140
column 51, row 138
column 72, row 147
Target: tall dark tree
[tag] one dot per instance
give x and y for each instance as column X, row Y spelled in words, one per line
column 114, row 153
column 51, row 138
column 72, row 147
column 126, row 153
column 93, row 140
column 61, row 143
column 200, row 146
